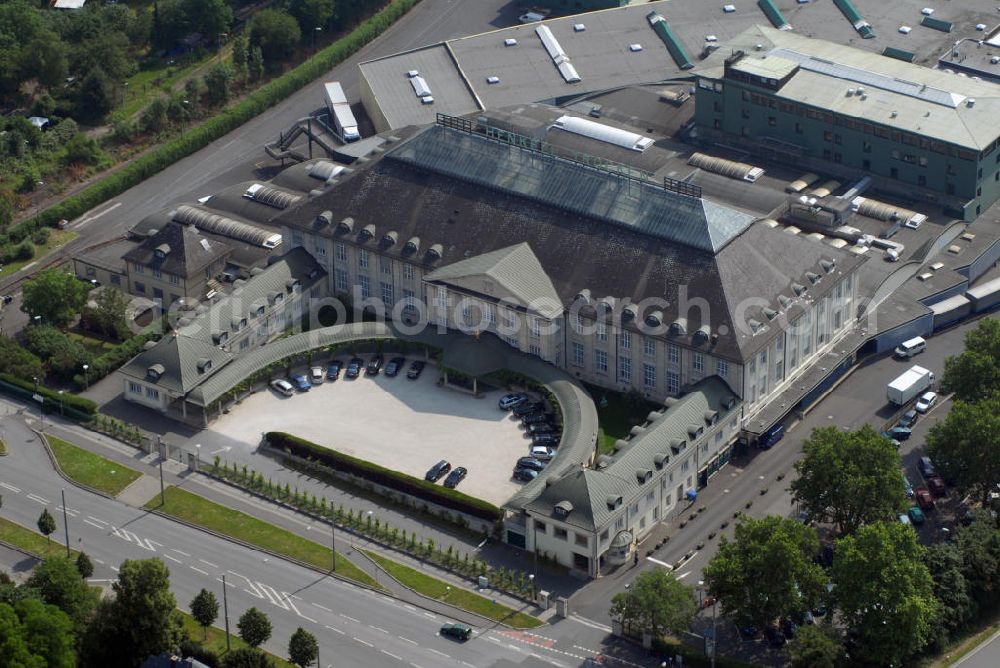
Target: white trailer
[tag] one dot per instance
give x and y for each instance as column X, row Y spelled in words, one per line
column 909, row 385
column 340, row 112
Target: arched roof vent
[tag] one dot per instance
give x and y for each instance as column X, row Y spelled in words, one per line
column 636, row 430
column 390, row 238
column 583, row 296
column 620, row 445
column 653, row 416
column 770, row 313
column 756, row 326
column 813, row 277
column 606, row 304
column 701, row 336
column 155, row 371
column 654, row 319
column 346, row 225
column 661, row 459
column 412, row 246
column 603, row 461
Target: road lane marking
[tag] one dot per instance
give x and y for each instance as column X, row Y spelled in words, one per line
column 99, row 561
column 336, row 630
column 322, row 607
column 378, row 628
column 96, row 216
column 363, row 642
column 208, row 563
column 288, row 598
column 669, row 567
column 466, row 663
column 114, row 569
column 198, row 570
column 414, row 665
column 96, row 525
column 97, row 519
column 272, row 595
column 10, row 487
column 398, row 658
column 350, row 618
column 183, row 553
column 439, row 652
column 412, row 642
column 174, row 559
column 38, row 499
column 590, row 622
column 228, row 584
column 427, row 614
column 408, row 606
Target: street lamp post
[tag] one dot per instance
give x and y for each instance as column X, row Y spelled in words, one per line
column 628, row 606
column 222, row 36
column 38, row 319
column 316, row 30
column 531, row 579
column 333, row 544
column 86, row 377
column 62, row 410
column 197, row 456
column 124, row 92
column 65, row 522
column 225, row 612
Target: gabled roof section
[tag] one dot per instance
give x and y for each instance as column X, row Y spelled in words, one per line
column 515, row 269
column 178, row 249
column 177, row 363
column 639, row 205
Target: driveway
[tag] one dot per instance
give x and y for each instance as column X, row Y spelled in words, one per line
column 398, row 423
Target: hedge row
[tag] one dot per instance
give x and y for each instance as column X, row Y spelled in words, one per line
column 195, row 139
column 53, row 400
column 117, row 356
column 400, row 482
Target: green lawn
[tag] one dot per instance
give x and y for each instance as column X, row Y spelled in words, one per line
column 31, row 541
column 440, row 590
column 216, row 641
column 94, row 346
column 56, row 239
column 199, row 510
column 92, row 470
column 617, row 417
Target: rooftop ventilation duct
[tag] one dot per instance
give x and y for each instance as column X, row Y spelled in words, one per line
column 604, row 133
column 784, row 301
column 556, row 53
column 207, row 221
column 770, row 313
column 324, row 170
column 729, row 168
column 278, row 199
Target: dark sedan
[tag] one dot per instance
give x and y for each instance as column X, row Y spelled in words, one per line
column 354, row 367
column 416, row 367
column 438, row 470
column 333, row 371
column 526, row 407
column 374, row 365
column 394, row 366
column 455, row 477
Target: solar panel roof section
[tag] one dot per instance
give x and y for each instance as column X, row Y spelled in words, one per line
column 642, row 207
column 858, row 75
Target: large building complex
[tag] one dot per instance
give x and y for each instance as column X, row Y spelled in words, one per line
column 915, row 130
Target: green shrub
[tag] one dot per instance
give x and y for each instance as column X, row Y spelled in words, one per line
column 400, row 482
column 25, row 388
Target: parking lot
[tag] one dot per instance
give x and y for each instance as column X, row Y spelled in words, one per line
column 402, row 424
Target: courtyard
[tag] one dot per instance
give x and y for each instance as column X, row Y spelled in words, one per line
column 402, row 424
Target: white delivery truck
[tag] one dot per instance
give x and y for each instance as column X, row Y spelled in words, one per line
column 340, row 112
column 909, row 385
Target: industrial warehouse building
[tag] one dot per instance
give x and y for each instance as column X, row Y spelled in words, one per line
column 915, row 131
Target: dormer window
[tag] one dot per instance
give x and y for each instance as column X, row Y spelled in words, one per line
column 643, row 475
column 562, row 510
column 204, row 364
column 661, row 459
column 260, row 311
column 614, row 502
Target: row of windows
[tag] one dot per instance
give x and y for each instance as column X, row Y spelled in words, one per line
column 158, row 275
column 364, row 260
column 150, row 392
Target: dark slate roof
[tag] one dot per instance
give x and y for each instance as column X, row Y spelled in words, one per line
column 576, row 251
column 188, row 252
column 590, row 490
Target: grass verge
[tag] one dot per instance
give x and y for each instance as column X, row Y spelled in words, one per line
column 440, row 590
column 3, row 447
column 56, row 239
column 89, row 469
column 198, row 510
column 215, row 641
column 31, row 541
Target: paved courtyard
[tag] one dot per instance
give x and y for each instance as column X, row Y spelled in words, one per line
column 398, row 423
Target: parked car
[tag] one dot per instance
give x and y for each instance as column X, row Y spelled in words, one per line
column 772, row 436
column 460, row 632
column 6, row 299
column 898, row 433
column 354, row 367
column 530, row 463
column 542, row 452
column 438, row 470
column 316, row 375
column 908, row 486
column 301, row 382
column 548, row 438
column 535, row 418
column 416, row 366
column 526, row 407
column 542, row 428
column 904, row 518
column 455, row 477
column 525, row 475
column 916, row 515
column 333, row 371
column 282, row 386
column 374, row 365
column 394, row 366
column 926, row 401
column 926, row 467
column 909, row 419
column 935, row 484
column 508, row 401
column 924, row 498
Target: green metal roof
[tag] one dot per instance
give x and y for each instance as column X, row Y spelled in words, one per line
column 899, row 54
column 773, row 14
column 936, row 24
column 663, row 31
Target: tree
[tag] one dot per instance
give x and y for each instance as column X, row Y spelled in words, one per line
column 884, row 592
column 656, row 602
column 255, row 64
column 965, row 446
column 110, row 313
column 17, row 361
column 944, row 562
column 209, row 17
column 975, row 374
column 254, row 627
column 302, row 648
column 63, row 355
column 979, row 546
column 46, row 523
column 815, row 647
column 96, row 96
column 57, row 581
column 35, row 634
column 276, row 33
column 241, row 55
column 766, row 571
column 219, row 84
column 84, row 566
column 247, row 657
column 312, row 13
column 54, row 295
column 205, row 609
column 849, row 478
column 49, row 58
column 154, row 117
column 83, row 150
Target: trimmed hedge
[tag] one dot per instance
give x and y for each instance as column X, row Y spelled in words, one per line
column 53, row 400
column 194, row 139
column 400, row 482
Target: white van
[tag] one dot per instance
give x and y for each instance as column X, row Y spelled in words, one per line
column 908, row 349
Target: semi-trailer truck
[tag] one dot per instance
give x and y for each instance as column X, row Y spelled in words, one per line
column 909, row 385
column 340, row 113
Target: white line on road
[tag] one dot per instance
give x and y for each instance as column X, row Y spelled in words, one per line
column 408, row 606
column 336, row 630
column 590, row 622
column 427, row 614
column 96, row 216
column 225, row 448
column 228, row 584
column 683, row 575
column 466, row 663
column 378, row 628
column 114, row 569
column 669, row 567
column 38, row 499
column 173, row 559
column 412, row 642
column 322, row 607
column 96, row 525
column 182, row 552
column 198, row 570
column 99, row 561
column 350, row 618
column 414, row 665
column 363, row 642
column 10, row 487
column 396, row 657
column 208, row 563
column 98, row 520
column 439, row 652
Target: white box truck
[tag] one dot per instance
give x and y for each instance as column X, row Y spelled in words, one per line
column 909, row 385
column 340, row 113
